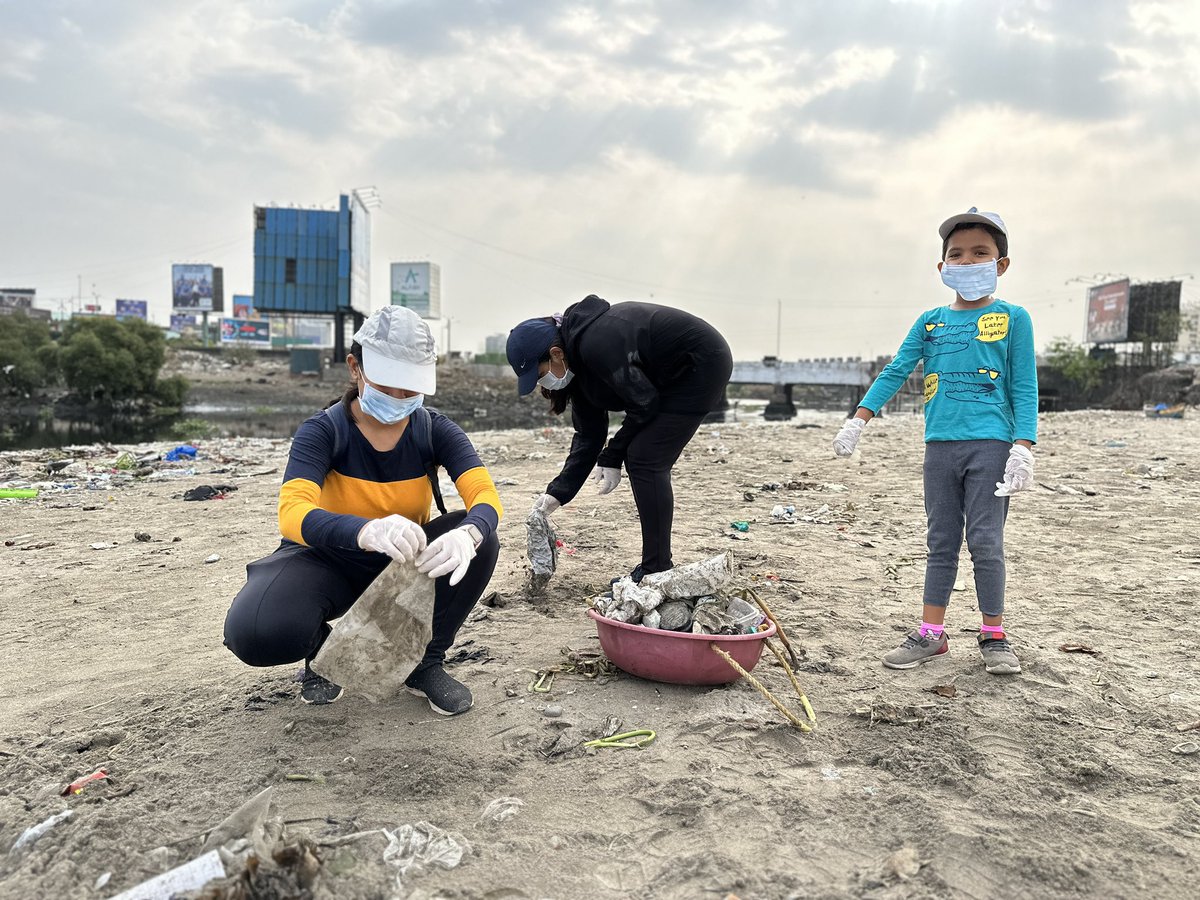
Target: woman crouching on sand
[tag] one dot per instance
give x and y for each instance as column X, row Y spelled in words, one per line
column 355, row 496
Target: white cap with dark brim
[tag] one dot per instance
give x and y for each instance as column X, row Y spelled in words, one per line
column 398, row 350
column 973, row 217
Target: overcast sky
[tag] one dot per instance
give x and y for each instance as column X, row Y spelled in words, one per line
column 713, row 155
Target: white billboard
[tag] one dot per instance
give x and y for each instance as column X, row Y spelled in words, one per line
column 360, row 256
column 418, row 286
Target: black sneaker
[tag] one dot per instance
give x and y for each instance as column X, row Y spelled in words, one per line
column 317, row 690
column 635, row 575
column 446, row 695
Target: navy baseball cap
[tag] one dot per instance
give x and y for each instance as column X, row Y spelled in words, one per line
column 528, row 345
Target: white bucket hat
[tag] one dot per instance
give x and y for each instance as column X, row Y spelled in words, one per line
column 398, row 350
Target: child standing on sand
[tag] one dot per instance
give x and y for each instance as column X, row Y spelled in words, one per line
column 981, row 403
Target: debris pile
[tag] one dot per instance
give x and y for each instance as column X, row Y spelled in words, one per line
column 692, row 598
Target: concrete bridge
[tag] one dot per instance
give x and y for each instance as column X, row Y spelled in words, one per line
column 784, row 374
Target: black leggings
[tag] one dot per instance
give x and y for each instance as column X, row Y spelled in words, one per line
column 282, row 613
column 656, row 448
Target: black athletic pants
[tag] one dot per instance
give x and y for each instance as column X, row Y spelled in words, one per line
column 657, row 447
column 282, row 613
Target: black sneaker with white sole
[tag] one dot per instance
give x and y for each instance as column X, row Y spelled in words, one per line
column 446, row 695
column 317, row 690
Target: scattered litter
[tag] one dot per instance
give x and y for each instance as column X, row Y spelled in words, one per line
column 781, row 513
column 209, row 492
column 103, row 545
column 1188, row 726
column 829, row 773
column 501, row 809
column 1188, row 748
column 629, row 740
column 960, row 585
column 299, row 776
column 191, row 876
column 32, row 834
column 212, row 558
column 943, row 690
column 413, row 847
column 1079, row 648
column 467, row 653
column 740, row 526
column 77, row 786
column 18, row 493
column 892, row 714
column 182, row 452
column 141, row 536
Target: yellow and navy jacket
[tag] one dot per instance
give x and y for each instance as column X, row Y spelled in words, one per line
column 332, row 487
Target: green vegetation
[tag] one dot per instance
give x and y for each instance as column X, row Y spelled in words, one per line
column 100, row 361
column 28, row 355
column 193, row 429
column 1075, row 365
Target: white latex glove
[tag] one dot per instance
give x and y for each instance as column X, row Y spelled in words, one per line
column 545, row 504
column 1018, row 472
column 608, row 479
column 398, row 537
column 847, row 438
column 450, row 553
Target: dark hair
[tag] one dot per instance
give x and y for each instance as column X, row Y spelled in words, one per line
column 558, row 399
column 997, row 235
column 351, row 393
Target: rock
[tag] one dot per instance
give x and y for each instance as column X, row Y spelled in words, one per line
column 553, row 711
column 141, row 536
column 903, row 864
column 212, row 558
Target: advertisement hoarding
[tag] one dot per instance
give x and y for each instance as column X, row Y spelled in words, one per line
column 243, row 306
column 1108, row 313
column 182, row 323
column 1154, row 308
column 246, row 331
column 418, row 286
column 192, row 287
column 131, row 309
column 360, row 256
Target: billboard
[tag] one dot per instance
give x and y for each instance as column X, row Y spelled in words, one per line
column 1154, row 311
column 182, row 323
column 360, row 256
column 243, row 306
column 1108, row 313
column 192, row 287
column 418, row 286
column 17, row 298
column 131, row 309
column 245, row 331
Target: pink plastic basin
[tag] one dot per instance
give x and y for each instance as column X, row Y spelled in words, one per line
column 677, row 657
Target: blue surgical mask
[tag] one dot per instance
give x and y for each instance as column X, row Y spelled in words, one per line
column 385, row 408
column 552, row 382
column 973, row 282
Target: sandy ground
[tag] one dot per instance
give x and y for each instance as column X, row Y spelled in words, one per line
column 1069, row 780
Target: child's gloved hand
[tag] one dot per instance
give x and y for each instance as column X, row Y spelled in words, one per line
column 847, row 438
column 1018, row 473
column 398, row 537
column 608, row 479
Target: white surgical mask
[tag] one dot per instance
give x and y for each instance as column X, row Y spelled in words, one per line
column 385, row 408
column 552, row 382
column 973, row 282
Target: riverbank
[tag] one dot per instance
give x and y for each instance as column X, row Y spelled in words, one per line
column 1070, row 779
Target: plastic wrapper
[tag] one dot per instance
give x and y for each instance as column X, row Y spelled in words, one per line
column 542, row 547
column 378, row 643
column 698, row 579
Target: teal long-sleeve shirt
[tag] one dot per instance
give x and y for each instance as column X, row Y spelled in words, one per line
column 980, row 373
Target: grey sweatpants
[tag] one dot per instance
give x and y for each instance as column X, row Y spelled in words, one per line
column 960, row 487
